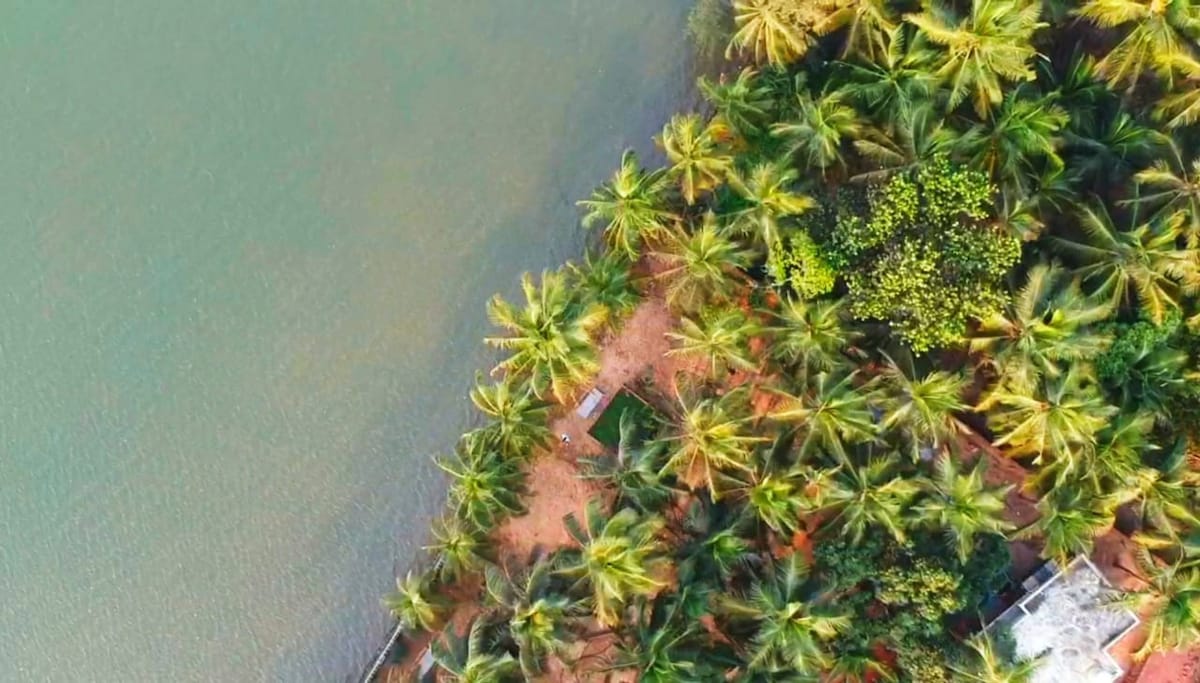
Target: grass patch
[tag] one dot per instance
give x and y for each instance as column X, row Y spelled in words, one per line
column 607, row 429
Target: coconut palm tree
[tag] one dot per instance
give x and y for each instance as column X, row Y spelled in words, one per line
column 921, row 409
column 469, row 660
column 1174, row 188
column 791, row 622
column 520, row 421
column 990, row 44
column 961, row 505
column 818, row 135
column 870, row 496
column 897, row 81
column 1141, row 266
column 741, row 103
column 869, row 24
column 618, row 558
column 459, row 549
column 778, row 493
column 1164, row 495
column 605, row 281
column 1012, row 145
column 697, row 162
column 1159, row 31
column 711, row 437
column 487, row 486
column 636, row 471
column 1181, row 106
column 1059, row 416
column 915, row 136
column 768, row 198
column 1170, row 605
column 539, row 617
column 668, row 647
column 1071, row 519
column 631, row 206
column 776, row 31
column 1042, row 329
column 415, row 604
column 721, row 337
column 550, row 339
column 986, row 665
column 703, row 267
column 1115, row 146
column 1113, row 463
column 812, row 336
column 832, row 411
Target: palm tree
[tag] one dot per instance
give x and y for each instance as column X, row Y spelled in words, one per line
column 869, row 24
column 989, row 44
column 631, row 206
column 721, row 337
column 415, row 604
column 1056, row 418
column 539, row 618
column 812, row 335
column 1181, row 107
column 791, row 622
column 773, row 30
column 923, row 409
column 1164, row 496
column 917, row 135
column 961, row 505
column 768, row 199
column 695, row 157
column 1170, row 605
column 986, row 665
column 668, row 647
column 711, row 438
column 1113, row 463
column 550, row 338
column 832, row 411
column 741, row 104
column 459, row 549
column 1142, row 265
column 777, row 492
column 702, row 267
column 468, row 660
column 1174, row 189
column 606, row 281
column 487, row 486
column 1011, row 145
column 618, row 558
column 820, row 129
column 870, row 496
column 895, row 82
column 1071, row 519
column 1042, row 329
column 1162, row 29
column 1112, row 148
column 636, row 471
column 519, row 419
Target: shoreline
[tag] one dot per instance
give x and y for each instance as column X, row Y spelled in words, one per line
column 688, row 97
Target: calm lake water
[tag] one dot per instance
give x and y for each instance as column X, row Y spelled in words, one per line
column 246, row 250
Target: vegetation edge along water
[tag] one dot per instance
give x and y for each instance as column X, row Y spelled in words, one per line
column 931, row 275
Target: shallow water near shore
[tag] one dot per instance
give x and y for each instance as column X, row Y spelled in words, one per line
column 247, row 246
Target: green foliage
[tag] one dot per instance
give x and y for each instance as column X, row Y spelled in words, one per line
column 921, row 254
column 801, row 267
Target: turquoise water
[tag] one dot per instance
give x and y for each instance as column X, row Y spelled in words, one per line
column 246, row 250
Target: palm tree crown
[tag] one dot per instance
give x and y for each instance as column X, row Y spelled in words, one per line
column 989, row 44
column 550, row 338
column 631, row 206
